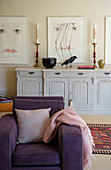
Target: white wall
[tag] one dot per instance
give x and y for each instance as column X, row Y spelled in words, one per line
column 38, row 11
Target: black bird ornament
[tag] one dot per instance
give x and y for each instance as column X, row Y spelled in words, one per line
column 70, row 60
column 65, row 63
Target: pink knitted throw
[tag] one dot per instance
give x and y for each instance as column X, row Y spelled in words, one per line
column 68, row 116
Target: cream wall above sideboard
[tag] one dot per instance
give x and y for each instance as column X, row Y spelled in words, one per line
column 38, row 11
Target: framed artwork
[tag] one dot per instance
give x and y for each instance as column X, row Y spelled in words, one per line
column 13, row 40
column 108, row 41
column 66, row 38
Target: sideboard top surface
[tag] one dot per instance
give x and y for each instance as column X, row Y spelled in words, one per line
column 60, row 68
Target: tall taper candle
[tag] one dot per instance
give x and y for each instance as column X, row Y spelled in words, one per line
column 38, row 34
column 94, row 33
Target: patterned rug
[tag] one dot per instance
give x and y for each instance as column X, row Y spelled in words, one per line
column 102, row 138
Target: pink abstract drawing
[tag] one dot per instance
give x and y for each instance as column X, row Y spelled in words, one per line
column 65, row 38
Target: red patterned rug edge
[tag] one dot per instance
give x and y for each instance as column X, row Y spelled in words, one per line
column 95, row 151
column 101, row 152
column 99, row 125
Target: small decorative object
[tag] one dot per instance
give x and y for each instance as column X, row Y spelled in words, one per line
column 94, row 33
column 37, row 34
column 101, row 63
column 37, row 55
column 94, row 44
column 85, row 67
column 37, row 44
column 49, row 62
column 66, row 62
column 94, row 55
column 70, row 60
column 66, row 37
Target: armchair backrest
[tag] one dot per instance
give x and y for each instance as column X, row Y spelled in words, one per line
column 31, row 103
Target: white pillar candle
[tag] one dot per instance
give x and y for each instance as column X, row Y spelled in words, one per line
column 37, row 33
column 94, row 33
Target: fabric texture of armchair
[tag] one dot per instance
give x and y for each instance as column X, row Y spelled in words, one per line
column 63, row 153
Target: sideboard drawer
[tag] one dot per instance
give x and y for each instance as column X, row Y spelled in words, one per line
column 58, row 73
column 103, row 74
column 30, row 73
column 69, row 73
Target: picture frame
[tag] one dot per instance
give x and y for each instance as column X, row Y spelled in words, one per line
column 108, row 40
column 66, row 38
column 13, row 40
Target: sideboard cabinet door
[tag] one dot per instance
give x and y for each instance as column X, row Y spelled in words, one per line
column 29, row 83
column 104, row 93
column 30, row 87
column 56, row 87
column 81, row 92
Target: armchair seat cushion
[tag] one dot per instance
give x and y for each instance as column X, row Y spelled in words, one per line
column 39, row 154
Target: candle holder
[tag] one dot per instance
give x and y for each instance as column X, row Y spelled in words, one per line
column 37, row 55
column 94, row 55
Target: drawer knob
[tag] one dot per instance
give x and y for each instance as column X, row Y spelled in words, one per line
column 106, row 73
column 31, row 73
column 57, row 73
column 80, row 74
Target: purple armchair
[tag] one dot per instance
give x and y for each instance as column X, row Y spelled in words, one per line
column 63, row 153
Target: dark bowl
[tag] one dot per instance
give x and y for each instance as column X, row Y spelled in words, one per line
column 49, row 62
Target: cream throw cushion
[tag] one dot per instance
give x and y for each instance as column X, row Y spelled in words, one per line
column 31, row 124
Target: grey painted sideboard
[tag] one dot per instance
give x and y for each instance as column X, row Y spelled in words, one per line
column 88, row 91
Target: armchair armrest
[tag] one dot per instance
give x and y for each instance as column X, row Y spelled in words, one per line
column 8, row 137
column 70, row 146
